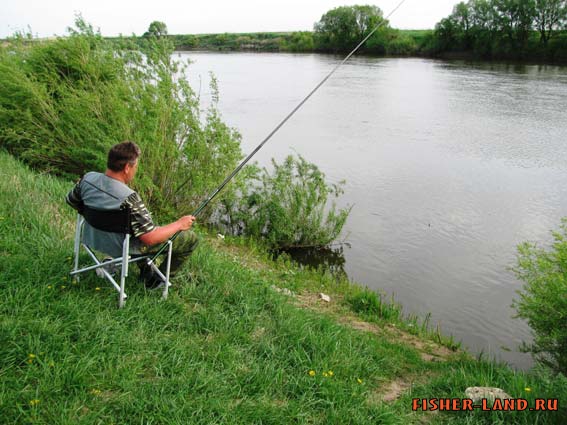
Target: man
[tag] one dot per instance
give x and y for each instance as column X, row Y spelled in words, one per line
column 110, row 191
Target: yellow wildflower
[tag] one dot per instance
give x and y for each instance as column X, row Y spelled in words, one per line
column 34, row 402
column 528, row 389
column 94, row 391
column 331, row 373
column 49, row 287
column 325, row 374
column 312, row 373
column 31, row 356
column 97, row 289
column 359, row 380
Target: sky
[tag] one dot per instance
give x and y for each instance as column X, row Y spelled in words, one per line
column 48, row 18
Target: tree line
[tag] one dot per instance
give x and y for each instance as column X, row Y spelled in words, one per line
column 487, row 29
column 507, row 29
column 338, row 30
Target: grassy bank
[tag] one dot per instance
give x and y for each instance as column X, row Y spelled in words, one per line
column 416, row 43
column 228, row 346
column 296, row 41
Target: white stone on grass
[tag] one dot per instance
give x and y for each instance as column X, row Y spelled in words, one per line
column 284, row 291
column 489, row 393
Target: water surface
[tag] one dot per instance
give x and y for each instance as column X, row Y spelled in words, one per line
column 449, row 167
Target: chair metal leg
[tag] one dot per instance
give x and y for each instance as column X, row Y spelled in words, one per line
column 104, row 271
column 124, row 271
column 77, row 248
column 124, row 260
column 157, row 271
column 166, row 286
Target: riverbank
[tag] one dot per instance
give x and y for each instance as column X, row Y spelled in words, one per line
column 419, row 46
column 240, row 340
column 297, row 41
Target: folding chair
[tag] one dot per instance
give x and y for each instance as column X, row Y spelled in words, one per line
column 114, row 221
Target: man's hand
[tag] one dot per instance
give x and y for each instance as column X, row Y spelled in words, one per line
column 186, row 222
column 163, row 233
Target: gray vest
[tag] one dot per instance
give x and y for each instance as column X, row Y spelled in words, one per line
column 105, row 193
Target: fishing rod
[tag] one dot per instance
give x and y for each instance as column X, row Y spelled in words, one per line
column 280, row 125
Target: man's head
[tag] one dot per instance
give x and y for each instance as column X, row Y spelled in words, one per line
column 123, row 160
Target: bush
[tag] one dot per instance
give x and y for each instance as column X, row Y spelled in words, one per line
column 401, row 44
column 370, row 303
column 287, row 209
column 543, row 300
column 301, row 41
column 63, row 103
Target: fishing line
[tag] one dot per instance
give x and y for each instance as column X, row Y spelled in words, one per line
column 269, row 136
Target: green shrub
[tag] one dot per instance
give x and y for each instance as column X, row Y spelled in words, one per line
column 543, row 299
column 401, row 44
column 63, row 103
column 288, row 208
column 300, row 41
column 370, row 303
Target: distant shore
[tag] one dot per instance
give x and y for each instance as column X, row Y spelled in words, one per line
column 295, row 42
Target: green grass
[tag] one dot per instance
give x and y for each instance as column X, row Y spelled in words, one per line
column 224, row 348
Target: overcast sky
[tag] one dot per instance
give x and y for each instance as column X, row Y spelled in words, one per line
column 47, row 18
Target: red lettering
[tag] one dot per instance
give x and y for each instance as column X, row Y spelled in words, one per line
column 445, row 404
column 455, row 404
column 552, row 404
column 497, row 405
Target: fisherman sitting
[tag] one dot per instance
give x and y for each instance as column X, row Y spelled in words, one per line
column 110, row 191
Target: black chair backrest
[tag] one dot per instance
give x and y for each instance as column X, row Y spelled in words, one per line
column 115, row 221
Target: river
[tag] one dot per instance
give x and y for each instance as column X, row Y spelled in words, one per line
column 449, row 166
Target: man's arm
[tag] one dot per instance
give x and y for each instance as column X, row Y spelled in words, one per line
column 143, row 227
column 163, row 233
column 74, row 198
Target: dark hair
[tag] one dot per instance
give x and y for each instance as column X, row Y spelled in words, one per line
column 121, row 154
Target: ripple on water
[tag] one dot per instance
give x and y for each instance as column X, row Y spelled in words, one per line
column 449, row 166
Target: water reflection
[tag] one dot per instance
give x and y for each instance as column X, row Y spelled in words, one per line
column 449, row 166
column 329, row 259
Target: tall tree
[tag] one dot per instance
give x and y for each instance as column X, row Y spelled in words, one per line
column 156, row 29
column 344, row 27
column 446, row 33
column 462, row 19
column 483, row 15
column 550, row 16
column 515, row 19
column 462, row 15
